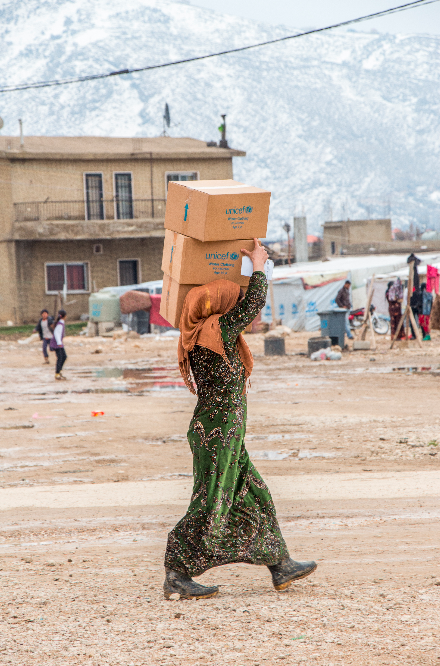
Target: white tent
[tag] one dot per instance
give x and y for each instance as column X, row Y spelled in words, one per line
column 302, row 290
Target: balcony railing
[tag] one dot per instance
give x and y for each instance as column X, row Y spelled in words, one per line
column 76, row 211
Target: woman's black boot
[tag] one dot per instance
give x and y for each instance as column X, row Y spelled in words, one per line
column 286, row 571
column 179, row 583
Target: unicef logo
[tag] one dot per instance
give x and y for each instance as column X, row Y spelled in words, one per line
column 234, row 255
column 239, row 211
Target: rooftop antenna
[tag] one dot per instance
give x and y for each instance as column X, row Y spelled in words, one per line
column 223, row 141
column 166, row 119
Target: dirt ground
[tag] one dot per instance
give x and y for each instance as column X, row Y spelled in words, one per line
column 349, row 449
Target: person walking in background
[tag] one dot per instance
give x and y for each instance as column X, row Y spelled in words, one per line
column 426, row 307
column 343, row 301
column 57, row 343
column 44, row 330
column 394, row 296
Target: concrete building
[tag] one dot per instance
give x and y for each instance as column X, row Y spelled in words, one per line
column 88, row 212
column 340, row 236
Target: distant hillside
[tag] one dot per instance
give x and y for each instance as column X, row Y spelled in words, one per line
column 343, row 123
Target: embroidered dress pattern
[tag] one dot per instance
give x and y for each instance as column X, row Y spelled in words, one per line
column 231, row 517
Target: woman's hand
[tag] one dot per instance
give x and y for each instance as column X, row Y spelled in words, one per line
column 258, row 256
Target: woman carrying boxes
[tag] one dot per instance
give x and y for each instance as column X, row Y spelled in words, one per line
column 231, row 517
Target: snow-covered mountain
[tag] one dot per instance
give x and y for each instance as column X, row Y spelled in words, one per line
column 342, row 123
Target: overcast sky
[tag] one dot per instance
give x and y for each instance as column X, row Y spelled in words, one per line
column 318, row 13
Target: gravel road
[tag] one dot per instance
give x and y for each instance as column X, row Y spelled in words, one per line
column 349, row 450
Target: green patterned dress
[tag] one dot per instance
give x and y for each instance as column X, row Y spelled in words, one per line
column 231, row 517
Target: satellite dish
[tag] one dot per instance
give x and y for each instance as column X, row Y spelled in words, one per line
column 1, row 123
column 166, row 115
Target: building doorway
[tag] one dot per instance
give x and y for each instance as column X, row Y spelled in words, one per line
column 128, row 270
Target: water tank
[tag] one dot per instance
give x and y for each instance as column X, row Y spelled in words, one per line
column 104, row 306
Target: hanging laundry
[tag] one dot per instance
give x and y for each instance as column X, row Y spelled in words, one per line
column 432, row 279
column 417, row 262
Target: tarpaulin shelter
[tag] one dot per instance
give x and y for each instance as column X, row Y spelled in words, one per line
column 139, row 304
column 155, row 316
column 304, row 289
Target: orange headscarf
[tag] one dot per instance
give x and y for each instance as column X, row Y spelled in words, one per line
column 199, row 325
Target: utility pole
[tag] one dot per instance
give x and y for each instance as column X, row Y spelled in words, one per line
column 286, row 227
column 300, row 233
column 20, row 122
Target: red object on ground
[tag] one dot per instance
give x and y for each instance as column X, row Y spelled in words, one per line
column 97, row 413
column 155, row 317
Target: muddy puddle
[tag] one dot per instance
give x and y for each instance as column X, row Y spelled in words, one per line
column 282, row 455
column 134, row 380
column 268, row 455
column 306, row 453
column 422, row 369
column 388, row 369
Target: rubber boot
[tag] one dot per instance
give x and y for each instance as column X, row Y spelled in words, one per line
column 179, row 583
column 286, row 571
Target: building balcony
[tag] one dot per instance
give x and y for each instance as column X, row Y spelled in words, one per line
column 75, row 220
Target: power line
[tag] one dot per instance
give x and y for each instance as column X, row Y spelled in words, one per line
column 122, row 72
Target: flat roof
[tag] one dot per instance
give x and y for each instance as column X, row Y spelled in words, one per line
column 108, row 148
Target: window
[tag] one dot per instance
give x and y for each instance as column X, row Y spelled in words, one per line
column 123, row 196
column 333, row 247
column 128, row 271
column 94, row 196
column 75, row 276
column 180, row 175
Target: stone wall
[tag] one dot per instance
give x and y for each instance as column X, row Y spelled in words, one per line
column 103, row 270
column 338, row 235
column 63, row 180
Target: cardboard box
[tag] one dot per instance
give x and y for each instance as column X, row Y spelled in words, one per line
column 211, row 210
column 190, row 261
column 173, row 297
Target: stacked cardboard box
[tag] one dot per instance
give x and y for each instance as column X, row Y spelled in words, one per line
column 207, row 223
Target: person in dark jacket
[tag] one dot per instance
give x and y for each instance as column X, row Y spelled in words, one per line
column 425, row 314
column 394, row 296
column 44, row 329
column 343, row 301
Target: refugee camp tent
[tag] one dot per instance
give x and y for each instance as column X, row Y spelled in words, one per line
column 381, row 280
column 304, row 289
